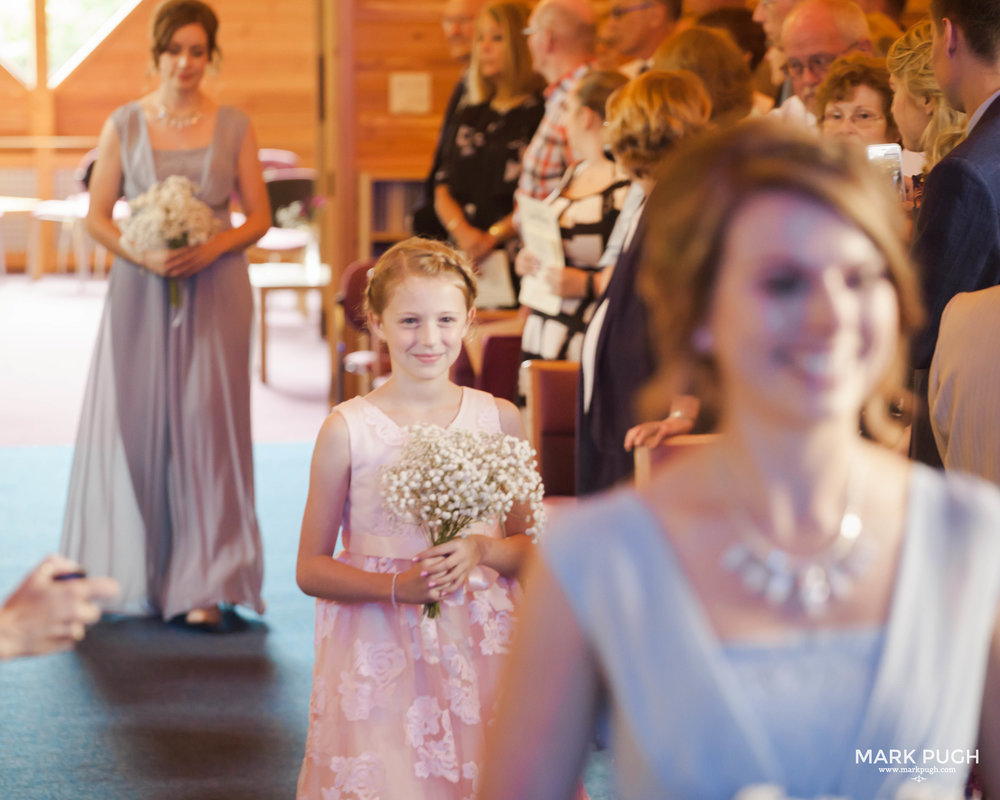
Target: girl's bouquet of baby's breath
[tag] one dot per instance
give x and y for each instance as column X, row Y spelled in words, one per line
column 446, row 480
column 168, row 215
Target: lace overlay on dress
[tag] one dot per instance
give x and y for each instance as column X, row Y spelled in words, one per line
column 400, row 702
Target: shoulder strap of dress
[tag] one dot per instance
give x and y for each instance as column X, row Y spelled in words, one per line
column 127, row 120
column 232, row 126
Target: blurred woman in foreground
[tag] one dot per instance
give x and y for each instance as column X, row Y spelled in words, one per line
column 787, row 546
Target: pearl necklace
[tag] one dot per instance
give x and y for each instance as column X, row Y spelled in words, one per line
column 806, row 582
column 177, row 121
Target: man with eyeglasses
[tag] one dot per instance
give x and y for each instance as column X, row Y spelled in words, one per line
column 459, row 25
column 956, row 234
column 813, row 35
column 561, row 36
column 636, row 28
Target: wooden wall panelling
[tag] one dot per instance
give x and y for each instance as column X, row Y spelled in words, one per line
column 268, row 69
column 14, row 107
column 390, row 36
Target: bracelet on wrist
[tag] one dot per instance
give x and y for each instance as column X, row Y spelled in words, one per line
column 591, row 290
column 392, row 593
column 498, row 231
column 454, row 223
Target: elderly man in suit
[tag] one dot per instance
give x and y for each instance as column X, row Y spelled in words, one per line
column 956, row 236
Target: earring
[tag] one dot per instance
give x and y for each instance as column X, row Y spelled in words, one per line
column 702, row 341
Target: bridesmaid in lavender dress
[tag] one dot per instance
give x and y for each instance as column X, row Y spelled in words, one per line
column 161, row 494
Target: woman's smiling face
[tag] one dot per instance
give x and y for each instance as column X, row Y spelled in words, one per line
column 804, row 320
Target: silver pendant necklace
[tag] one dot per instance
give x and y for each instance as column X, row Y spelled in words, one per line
column 806, row 582
column 177, row 121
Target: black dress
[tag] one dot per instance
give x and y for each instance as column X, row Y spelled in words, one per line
column 482, row 164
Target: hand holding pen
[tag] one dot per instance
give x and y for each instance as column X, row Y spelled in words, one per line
column 51, row 608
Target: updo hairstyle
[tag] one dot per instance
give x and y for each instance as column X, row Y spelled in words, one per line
column 425, row 258
column 910, row 62
column 652, row 112
column 175, row 14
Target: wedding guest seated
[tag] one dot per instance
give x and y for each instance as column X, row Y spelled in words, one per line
column 646, row 118
column 480, row 167
column 854, row 101
column 51, row 608
column 587, row 205
column 714, row 57
column 928, row 125
column 789, row 596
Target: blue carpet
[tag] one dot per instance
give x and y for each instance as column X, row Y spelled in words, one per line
column 143, row 710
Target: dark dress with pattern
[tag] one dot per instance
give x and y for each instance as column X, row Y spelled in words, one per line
column 161, row 492
column 585, row 223
column 481, row 165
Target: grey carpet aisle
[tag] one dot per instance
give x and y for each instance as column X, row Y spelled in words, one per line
column 144, row 711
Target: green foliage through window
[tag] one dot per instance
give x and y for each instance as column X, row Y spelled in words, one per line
column 74, row 28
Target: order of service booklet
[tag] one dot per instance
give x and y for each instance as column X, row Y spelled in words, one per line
column 540, row 234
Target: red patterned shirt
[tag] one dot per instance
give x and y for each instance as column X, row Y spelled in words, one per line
column 548, row 155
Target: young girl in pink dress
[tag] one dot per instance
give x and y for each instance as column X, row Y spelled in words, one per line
column 400, row 700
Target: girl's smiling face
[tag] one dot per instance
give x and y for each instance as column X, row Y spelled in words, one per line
column 423, row 325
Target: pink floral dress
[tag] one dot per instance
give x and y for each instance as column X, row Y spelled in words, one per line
column 400, row 702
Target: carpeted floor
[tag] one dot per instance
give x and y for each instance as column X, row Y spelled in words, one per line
column 142, row 710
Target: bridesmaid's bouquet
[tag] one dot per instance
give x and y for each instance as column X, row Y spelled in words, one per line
column 168, row 215
column 446, row 480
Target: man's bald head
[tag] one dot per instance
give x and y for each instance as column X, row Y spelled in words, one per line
column 562, row 36
column 814, row 34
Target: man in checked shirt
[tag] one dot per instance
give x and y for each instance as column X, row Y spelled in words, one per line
column 561, row 36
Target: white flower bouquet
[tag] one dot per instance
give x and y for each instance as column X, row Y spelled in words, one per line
column 446, row 480
column 168, row 215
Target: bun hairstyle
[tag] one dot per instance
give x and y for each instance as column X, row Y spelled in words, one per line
column 425, row 258
column 174, row 14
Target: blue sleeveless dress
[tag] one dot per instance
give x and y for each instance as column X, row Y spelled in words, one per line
column 692, row 717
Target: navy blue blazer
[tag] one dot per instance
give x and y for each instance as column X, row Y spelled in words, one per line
column 623, row 362
column 956, row 235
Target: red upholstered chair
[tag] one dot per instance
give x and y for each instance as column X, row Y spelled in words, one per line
column 371, row 360
column 551, row 399
column 500, row 365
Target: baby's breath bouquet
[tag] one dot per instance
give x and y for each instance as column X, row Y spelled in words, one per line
column 168, row 215
column 446, row 480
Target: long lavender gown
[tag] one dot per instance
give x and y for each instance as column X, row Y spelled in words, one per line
column 161, row 493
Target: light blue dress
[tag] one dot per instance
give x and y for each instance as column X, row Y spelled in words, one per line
column 692, row 717
column 161, row 494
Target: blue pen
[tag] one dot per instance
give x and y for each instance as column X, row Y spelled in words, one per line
column 69, row 576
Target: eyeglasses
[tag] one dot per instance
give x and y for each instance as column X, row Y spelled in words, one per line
column 859, row 118
column 621, row 11
column 818, row 63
